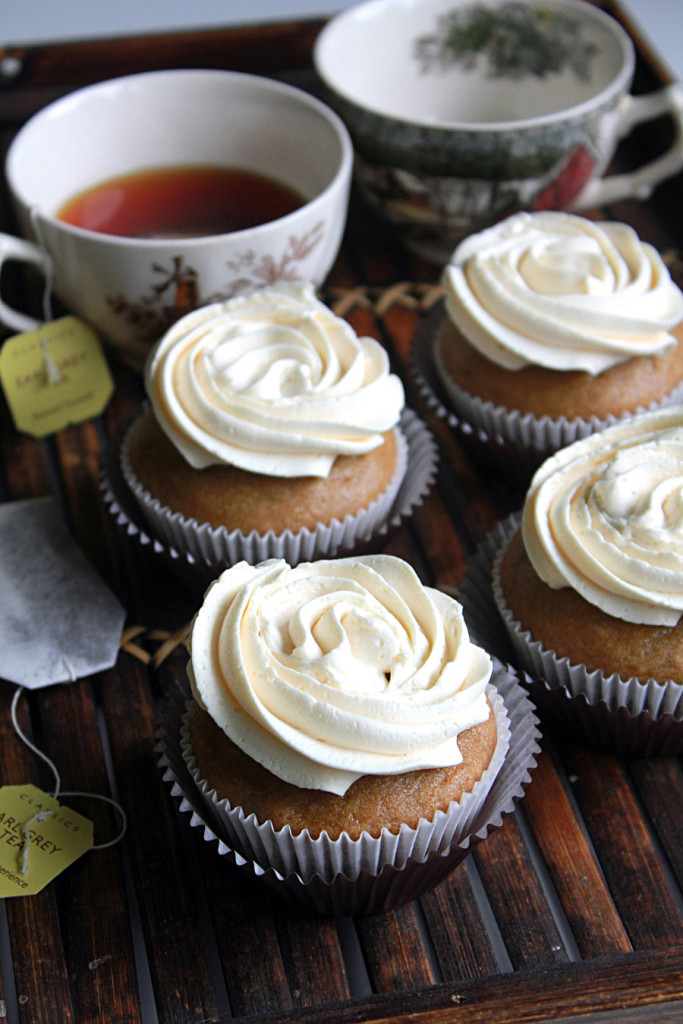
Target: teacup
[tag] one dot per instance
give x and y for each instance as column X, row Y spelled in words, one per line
column 131, row 288
column 463, row 113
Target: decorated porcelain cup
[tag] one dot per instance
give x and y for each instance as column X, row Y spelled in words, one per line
column 130, row 288
column 462, row 113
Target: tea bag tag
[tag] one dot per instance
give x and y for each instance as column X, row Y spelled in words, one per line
column 39, row 838
column 54, row 376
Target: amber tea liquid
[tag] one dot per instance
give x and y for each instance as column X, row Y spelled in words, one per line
column 180, row 202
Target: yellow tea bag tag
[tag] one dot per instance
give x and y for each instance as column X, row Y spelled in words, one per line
column 54, row 376
column 39, row 838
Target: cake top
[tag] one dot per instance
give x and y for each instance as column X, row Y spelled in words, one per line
column 605, row 516
column 336, row 669
column 271, row 382
column 555, row 290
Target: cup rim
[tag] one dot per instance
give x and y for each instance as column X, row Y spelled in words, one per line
column 342, row 171
column 339, row 22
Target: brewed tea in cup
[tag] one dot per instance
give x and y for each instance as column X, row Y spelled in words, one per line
column 180, row 202
column 283, row 156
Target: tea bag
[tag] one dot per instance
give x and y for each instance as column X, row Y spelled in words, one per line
column 58, row 619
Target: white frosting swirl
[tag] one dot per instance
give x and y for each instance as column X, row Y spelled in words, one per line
column 272, row 382
column 337, row 669
column 605, row 516
column 559, row 291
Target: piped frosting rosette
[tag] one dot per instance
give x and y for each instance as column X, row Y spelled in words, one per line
column 273, row 383
column 605, row 517
column 332, row 670
column 555, row 290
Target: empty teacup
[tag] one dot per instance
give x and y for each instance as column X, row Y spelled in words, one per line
column 148, row 195
column 462, row 113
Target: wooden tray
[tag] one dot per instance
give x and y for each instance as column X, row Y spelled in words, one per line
column 571, row 911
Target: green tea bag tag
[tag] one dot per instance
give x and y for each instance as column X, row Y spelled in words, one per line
column 54, row 376
column 39, row 838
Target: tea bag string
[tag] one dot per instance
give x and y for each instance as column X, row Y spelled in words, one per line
column 42, row 815
column 47, row 264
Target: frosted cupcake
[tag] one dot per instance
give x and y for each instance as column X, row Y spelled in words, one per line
column 343, row 720
column 269, row 416
column 591, row 585
column 556, row 326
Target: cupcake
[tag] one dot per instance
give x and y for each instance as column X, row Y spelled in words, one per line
column 556, row 326
column 268, row 416
column 342, row 719
column 590, row 585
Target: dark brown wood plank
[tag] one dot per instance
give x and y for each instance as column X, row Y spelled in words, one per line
column 461, row 943
column 313, row 959
column 41, row 976
column 625, row 849
column 25, row 461
column 78, row 452
column 92, row 896
column 577, row 878
column 445, row 551
column 162, row 877
column 47, row 71
column 394, row 951
column 243, row 919
column 641, row 988
column 520, row 905
column 659, row 782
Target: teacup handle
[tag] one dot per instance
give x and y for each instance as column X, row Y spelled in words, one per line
column 640, row 184
column 12, row 248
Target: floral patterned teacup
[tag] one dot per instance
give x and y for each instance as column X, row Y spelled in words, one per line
column 462, row 113
column 130, row 289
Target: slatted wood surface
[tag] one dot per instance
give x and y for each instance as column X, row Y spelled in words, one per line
column 572, row 911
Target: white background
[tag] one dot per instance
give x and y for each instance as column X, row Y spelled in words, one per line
column 34, row 21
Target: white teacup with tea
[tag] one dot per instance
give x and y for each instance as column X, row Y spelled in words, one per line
column 142, row 197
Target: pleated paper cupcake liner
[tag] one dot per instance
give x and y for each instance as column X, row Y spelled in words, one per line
column 539, row 433
column 367, row 531
column 215, row 544
column 289, row 853
column 513, row 443
column 367, row 883
column 626, row 716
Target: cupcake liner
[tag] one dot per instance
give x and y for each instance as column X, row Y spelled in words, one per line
column 353, row 535
column 502, row 432
column 374, row 886
column 300, row 854
column 541, row 433
column 627, row 716
column 218, row 544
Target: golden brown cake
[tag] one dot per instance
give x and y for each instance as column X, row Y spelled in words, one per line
column 564, row 622
column 623, row 388
column 239, row 500
column 371, row 803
